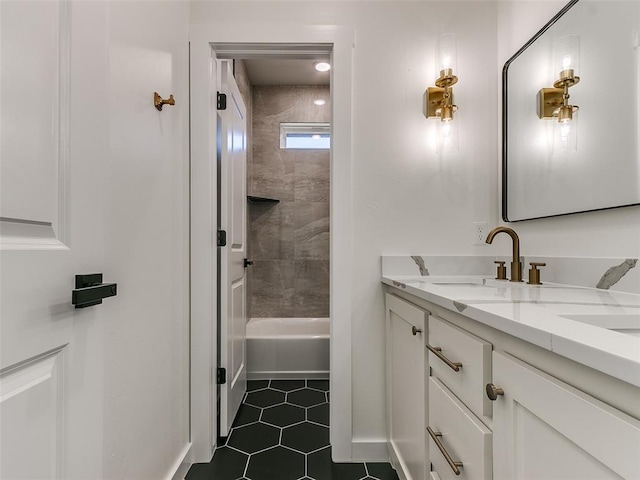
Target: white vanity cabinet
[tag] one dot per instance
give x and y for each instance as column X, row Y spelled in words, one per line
column 460, row 444
column 546, row 429
column 552, row 418
column 406, row 373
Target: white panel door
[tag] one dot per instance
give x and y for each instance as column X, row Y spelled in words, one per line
column 233, row 208
column 406, row 387
column 546, row 429
column 51, row 150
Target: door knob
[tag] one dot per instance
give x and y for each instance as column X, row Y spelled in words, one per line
column 247, row 262
column 90, row 290
column 493, row 392
column 415, row 330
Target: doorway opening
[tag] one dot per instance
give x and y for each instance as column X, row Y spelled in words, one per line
column 207, row 47
column 285, row 332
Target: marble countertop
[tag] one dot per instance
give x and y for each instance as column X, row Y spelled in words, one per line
column 597, row 328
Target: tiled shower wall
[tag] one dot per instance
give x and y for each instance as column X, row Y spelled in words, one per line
column 288, row 241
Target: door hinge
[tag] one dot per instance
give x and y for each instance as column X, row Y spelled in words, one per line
column 221, row 378
column 222, row 238
column 222, row 101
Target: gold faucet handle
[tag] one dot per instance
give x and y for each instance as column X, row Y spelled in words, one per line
column 501, row 270
column 534, row 273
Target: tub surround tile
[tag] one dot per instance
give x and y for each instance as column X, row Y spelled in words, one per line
column 311, row 231
column 298, row 228
column 311, row 178
column 273, row 288
column 272, row 231
column 311, row 297
column 273, row 173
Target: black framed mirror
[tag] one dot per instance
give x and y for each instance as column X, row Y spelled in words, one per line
column 589, row 53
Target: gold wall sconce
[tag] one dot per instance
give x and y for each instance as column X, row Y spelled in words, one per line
column 159, row 102
column 439, row 99
column 553, row 103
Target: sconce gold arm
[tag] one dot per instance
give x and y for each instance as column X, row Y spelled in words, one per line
column 158, row 101
column 439, row 99
column 554, row 102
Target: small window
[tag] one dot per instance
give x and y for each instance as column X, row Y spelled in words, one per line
column 305, row 135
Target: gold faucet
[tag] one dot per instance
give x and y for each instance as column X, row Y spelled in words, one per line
column 516, row 264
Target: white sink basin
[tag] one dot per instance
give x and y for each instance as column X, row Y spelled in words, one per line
column 628, row 323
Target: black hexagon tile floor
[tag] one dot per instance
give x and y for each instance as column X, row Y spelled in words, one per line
column 281, row 432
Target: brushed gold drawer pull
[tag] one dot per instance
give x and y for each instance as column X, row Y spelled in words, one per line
column 437, row 351
column 436, row 438
column 493, row 392
column 415, row 330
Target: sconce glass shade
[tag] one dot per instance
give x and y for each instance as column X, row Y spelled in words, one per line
column 447, row 55
column 565, row 134
column 447, row 137
column 566, row 57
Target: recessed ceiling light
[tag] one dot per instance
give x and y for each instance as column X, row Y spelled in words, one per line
column 322, row 67
column 319, row 102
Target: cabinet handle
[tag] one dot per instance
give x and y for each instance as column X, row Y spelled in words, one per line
column 437, row 351
column 493, row 392
column 435, row 436
column 415, row 330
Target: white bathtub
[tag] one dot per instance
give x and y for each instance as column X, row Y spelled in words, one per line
column 287, row 348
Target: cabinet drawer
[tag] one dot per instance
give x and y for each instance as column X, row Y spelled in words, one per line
column 463, row 436
column 461, row 347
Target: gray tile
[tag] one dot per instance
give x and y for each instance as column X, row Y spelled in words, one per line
column 311, row 220
column 273, row 172
column 272, row 288
column 271, row 231
column 311, row 177
column 311, row 294
column 275, row 101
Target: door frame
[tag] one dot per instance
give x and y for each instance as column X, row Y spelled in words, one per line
column 338, row 41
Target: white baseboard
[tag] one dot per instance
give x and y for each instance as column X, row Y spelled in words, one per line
column 369, row 451
column 181, row 466
column 395, row 462
column 293, row 375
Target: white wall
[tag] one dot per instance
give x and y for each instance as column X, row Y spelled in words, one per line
column 406, row 199
column 612, row 233
column 146, row 418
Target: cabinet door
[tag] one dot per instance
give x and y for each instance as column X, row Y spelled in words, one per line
column 406, row 399
column 546, row 429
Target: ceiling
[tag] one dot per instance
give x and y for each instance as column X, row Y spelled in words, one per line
column 280, row 71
